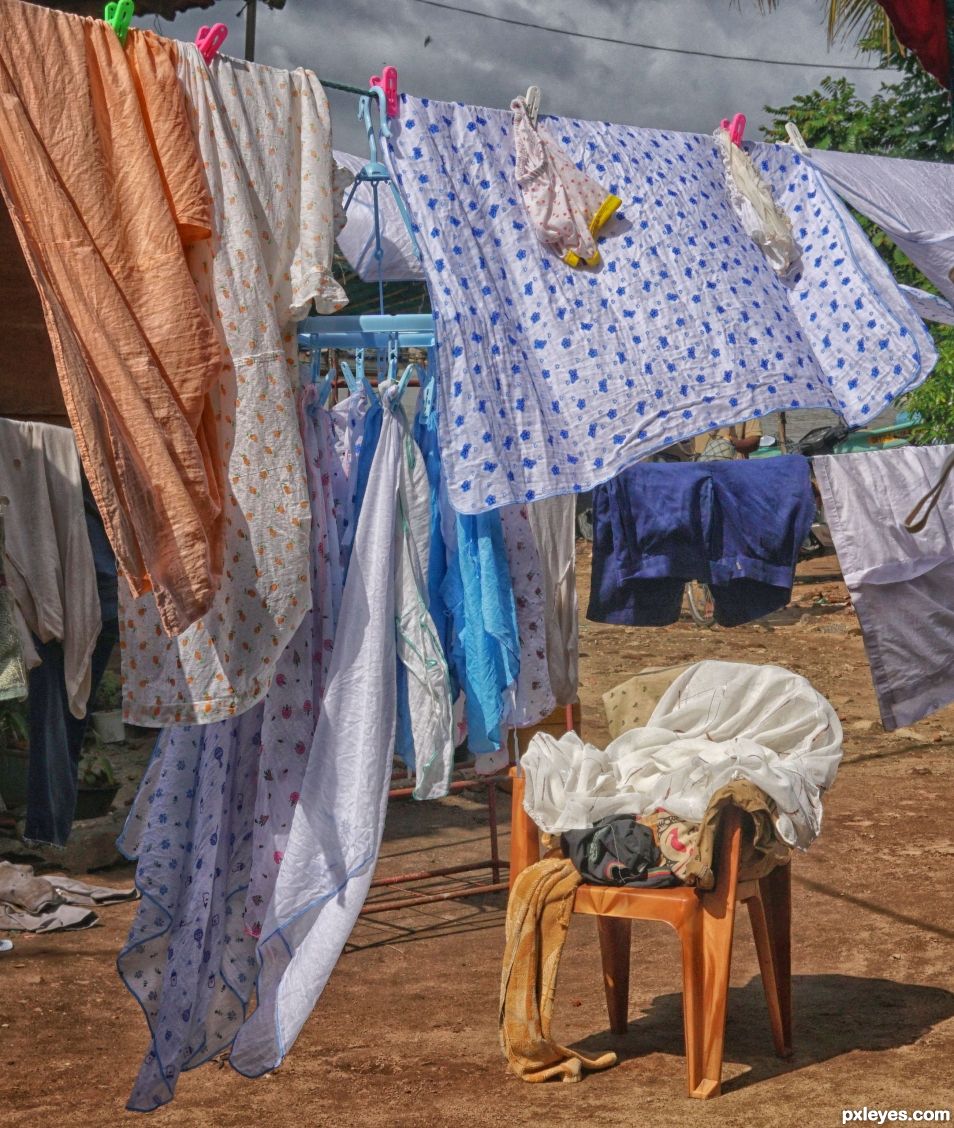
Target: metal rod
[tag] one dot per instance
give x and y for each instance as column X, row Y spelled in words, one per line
column 360, row 90
column 423, row 875
column 450, row 895
column 492, row 818
column 457, row 785
column 251, row 11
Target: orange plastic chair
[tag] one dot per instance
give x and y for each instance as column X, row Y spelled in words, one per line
column 704, row 922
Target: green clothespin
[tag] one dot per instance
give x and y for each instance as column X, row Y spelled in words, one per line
column 118, row 15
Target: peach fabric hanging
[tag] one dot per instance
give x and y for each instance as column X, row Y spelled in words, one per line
column 135, row 352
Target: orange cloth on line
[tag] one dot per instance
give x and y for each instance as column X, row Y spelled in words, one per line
column 538, row 916
column 136, row 354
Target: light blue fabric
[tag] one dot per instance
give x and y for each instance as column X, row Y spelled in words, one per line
column 554, row 379
column 486, row 647
column 470, row 593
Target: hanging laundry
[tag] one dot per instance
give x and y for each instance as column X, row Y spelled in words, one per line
column 553, row 381
column 718, row 722
column 339, row 818
column 51, row 571
column 470, row 595
column 736, row 526
column 553, row 521
column 566, row 208
column 900, row 582
column 485, row 649
column 425, row 722
column 399, row 263
column 56, row 735
column 913, row 201
column 62, row 576
column 930, row 307
column 752, row 201
column 209, row 827
column 531, row 696
column 13, row 672
column 189, row 961
column 922, row 26
column 265, row 137
column 135, row 351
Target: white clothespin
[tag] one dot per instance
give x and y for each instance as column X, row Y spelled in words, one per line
column 533, row 104
column 795, row 138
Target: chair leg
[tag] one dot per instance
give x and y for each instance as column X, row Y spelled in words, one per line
column 614, row 933
column 776, row 890
column 765, row 951
column 693, row 996
column 718, row 920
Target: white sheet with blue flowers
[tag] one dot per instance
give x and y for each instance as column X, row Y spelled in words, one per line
column 553, row 379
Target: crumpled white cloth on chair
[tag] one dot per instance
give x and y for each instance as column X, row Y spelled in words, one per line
column 717, row 722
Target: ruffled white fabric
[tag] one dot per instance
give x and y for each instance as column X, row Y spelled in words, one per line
column 753, row 202
column 717, row 722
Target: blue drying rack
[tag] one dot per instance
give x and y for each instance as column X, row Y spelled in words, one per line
column 368, row 331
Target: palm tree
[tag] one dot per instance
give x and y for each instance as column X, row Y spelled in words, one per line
column 860, row 20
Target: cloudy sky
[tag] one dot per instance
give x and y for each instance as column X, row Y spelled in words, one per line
column 487, row 62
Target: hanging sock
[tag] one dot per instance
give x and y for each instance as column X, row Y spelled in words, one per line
column 752, row 201
column 565, row 207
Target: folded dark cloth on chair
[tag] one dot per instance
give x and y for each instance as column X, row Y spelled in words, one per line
column 736, row 526
column 618, row 851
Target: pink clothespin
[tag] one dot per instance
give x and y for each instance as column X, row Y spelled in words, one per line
column 388, row 81
column 735, row 128
column 210, row 39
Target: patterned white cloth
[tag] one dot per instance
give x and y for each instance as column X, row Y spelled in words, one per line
column 531, row 696
column 265, row 138
column 553, row 380
column 717, row 722
column 212, row 817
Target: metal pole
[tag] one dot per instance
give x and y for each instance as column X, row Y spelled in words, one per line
column 251, row 10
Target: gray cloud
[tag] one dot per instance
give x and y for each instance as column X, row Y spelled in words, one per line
column 486, row 63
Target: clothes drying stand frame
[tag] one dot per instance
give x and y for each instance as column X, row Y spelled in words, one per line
column 378, row 332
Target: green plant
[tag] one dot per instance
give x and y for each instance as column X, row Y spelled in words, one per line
column 109, row 693
column 14, row 726
column 96, row 770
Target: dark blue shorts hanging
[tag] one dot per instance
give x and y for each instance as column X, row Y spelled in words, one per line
column 736, row 526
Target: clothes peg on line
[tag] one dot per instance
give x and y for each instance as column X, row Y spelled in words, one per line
column 533, row 104
column 387, row 82
column 735, row 128
column 118, row 15
column 210, row 39
column 795, row 138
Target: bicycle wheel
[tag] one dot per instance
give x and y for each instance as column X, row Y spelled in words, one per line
column 701, row 604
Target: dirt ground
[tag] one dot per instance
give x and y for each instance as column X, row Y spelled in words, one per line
column 406, row 1032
